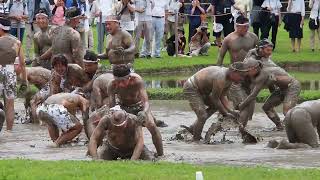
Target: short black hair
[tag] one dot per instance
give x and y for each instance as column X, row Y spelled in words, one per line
column 72, row 12
column 121, row 70
column 242, row 20
column 90, row 56
column 59, row 58
column 42, row 10
column 5, row 22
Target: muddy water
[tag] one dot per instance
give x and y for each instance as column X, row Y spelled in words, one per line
column 31, row 142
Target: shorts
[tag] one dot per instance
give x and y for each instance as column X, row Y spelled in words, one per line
column 196, row 100
column 8, row 81
column 134, row 108
column 58, row 115
column 292, row 93
column 42, row 95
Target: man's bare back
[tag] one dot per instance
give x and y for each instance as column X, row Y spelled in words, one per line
column 38, row 76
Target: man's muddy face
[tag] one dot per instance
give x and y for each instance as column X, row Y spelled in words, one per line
column 122, row 82
column 42, row 22
column 60, row 68
column 242, row 29
column 90, row 67
column 266, row 51
column 252, row 72
column 112, row 27
column 237, row 77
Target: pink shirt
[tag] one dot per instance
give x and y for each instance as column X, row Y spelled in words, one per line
column 58, row 17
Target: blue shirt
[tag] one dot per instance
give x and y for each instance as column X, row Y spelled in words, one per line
column 195, row 19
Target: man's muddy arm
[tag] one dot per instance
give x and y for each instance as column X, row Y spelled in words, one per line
column 226, row 103
column 22, row 66
column 222, row 52
column 77, row 50
column 46, row 55
column 97, row 137
column 257, row 88
column 215, row 99
column 54, row 85
column 144, row 98
column 36, row 48
column 130, row 43
column 139, row 146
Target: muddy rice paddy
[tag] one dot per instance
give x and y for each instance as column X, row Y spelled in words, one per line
column 29, row 141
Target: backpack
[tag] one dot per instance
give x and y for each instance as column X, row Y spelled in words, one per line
column 11, row 3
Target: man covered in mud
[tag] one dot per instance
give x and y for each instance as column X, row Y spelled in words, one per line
column 67, row 77
column 39, row 77
column 59, row 112
column 124, row 138
column 206, row 92
column 66, row 40
column 120, row 45
column 10, row 48
column 283, row 87
column 128, row 91
column 262, row 52
column 42, row 40
column 301, row 123
column 100, row 94
column 238, row 43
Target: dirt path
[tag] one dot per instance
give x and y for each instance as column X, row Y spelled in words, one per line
column 30, row 141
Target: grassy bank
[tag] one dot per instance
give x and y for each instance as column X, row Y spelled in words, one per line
column 177, row 94
column 68, row 170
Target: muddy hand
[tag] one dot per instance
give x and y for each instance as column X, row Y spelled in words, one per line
column 141, row 117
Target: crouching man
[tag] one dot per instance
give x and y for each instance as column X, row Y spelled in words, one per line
column 59, row 111
column 124, row 138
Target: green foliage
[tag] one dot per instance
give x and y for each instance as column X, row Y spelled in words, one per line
column 84, row 170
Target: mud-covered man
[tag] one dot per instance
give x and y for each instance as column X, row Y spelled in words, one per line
column 302, row 127
column 66, row 40
column 283, row 87
column 67, row 77
column 100, row 94
column 39, row 77
column 238, row 43
column 10, row 48
column 59, row 112
column 42, row 40
column 128, row 90
column 120, row 45
column 124, row 138
column 206, row 92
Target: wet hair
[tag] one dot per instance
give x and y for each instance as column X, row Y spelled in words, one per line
column 252, row 63
column 91, row 56
column 121, row 70
column 265, row 43
column 72, row 12
column 242, row 20
column 5, row 22
column 59, row 58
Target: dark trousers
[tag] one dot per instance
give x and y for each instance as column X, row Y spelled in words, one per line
column 266, row 27
column 14, row 32
column 256, row 27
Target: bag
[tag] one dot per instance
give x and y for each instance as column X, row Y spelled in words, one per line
column 313, row 25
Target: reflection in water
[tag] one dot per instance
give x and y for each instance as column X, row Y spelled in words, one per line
column 305, row 85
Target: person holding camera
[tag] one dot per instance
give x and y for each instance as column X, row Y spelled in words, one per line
column 271, row 17
column 194, row 20
column 200, row 44
column 124, row 9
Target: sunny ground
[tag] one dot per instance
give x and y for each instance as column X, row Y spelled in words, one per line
column 98, row 170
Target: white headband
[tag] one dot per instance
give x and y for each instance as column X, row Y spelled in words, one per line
column 88, row 61
column 6, row 28
column 41, row 14
column 245, row 24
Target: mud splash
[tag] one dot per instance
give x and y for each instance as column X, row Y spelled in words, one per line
column 31, row 141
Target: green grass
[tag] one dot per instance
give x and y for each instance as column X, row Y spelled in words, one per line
column 83, row 170
column 281, row 55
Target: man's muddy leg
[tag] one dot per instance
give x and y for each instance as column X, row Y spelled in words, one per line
column 284, row 144
column 146, row 154
column 88, row 127
column 52, row 129
column 302, row 125
column 214, row 128
column 155, row 133
column 106, row 153
column 268, row 107
column 71, row 133
column 9, row 112
column 291, row 135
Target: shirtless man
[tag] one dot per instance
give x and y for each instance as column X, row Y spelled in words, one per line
column 206, row 92
column 120, row 45
column 100, row 94
column 10, row 48
column 59, row 112
column 129, row 91
column 66, row 40
column 39, row 77
column 300, row 124
column 67, row 77
column 238, row 43
column 124, row 138
column 283, row 87
column 42, row 40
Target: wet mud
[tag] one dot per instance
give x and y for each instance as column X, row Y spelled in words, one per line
column 30, row 141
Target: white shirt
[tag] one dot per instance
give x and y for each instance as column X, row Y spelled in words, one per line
column 297, row 6
column 173, row 8
column 314, row 6
column 160, row 7
column 105, row 6
column 275, row 6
